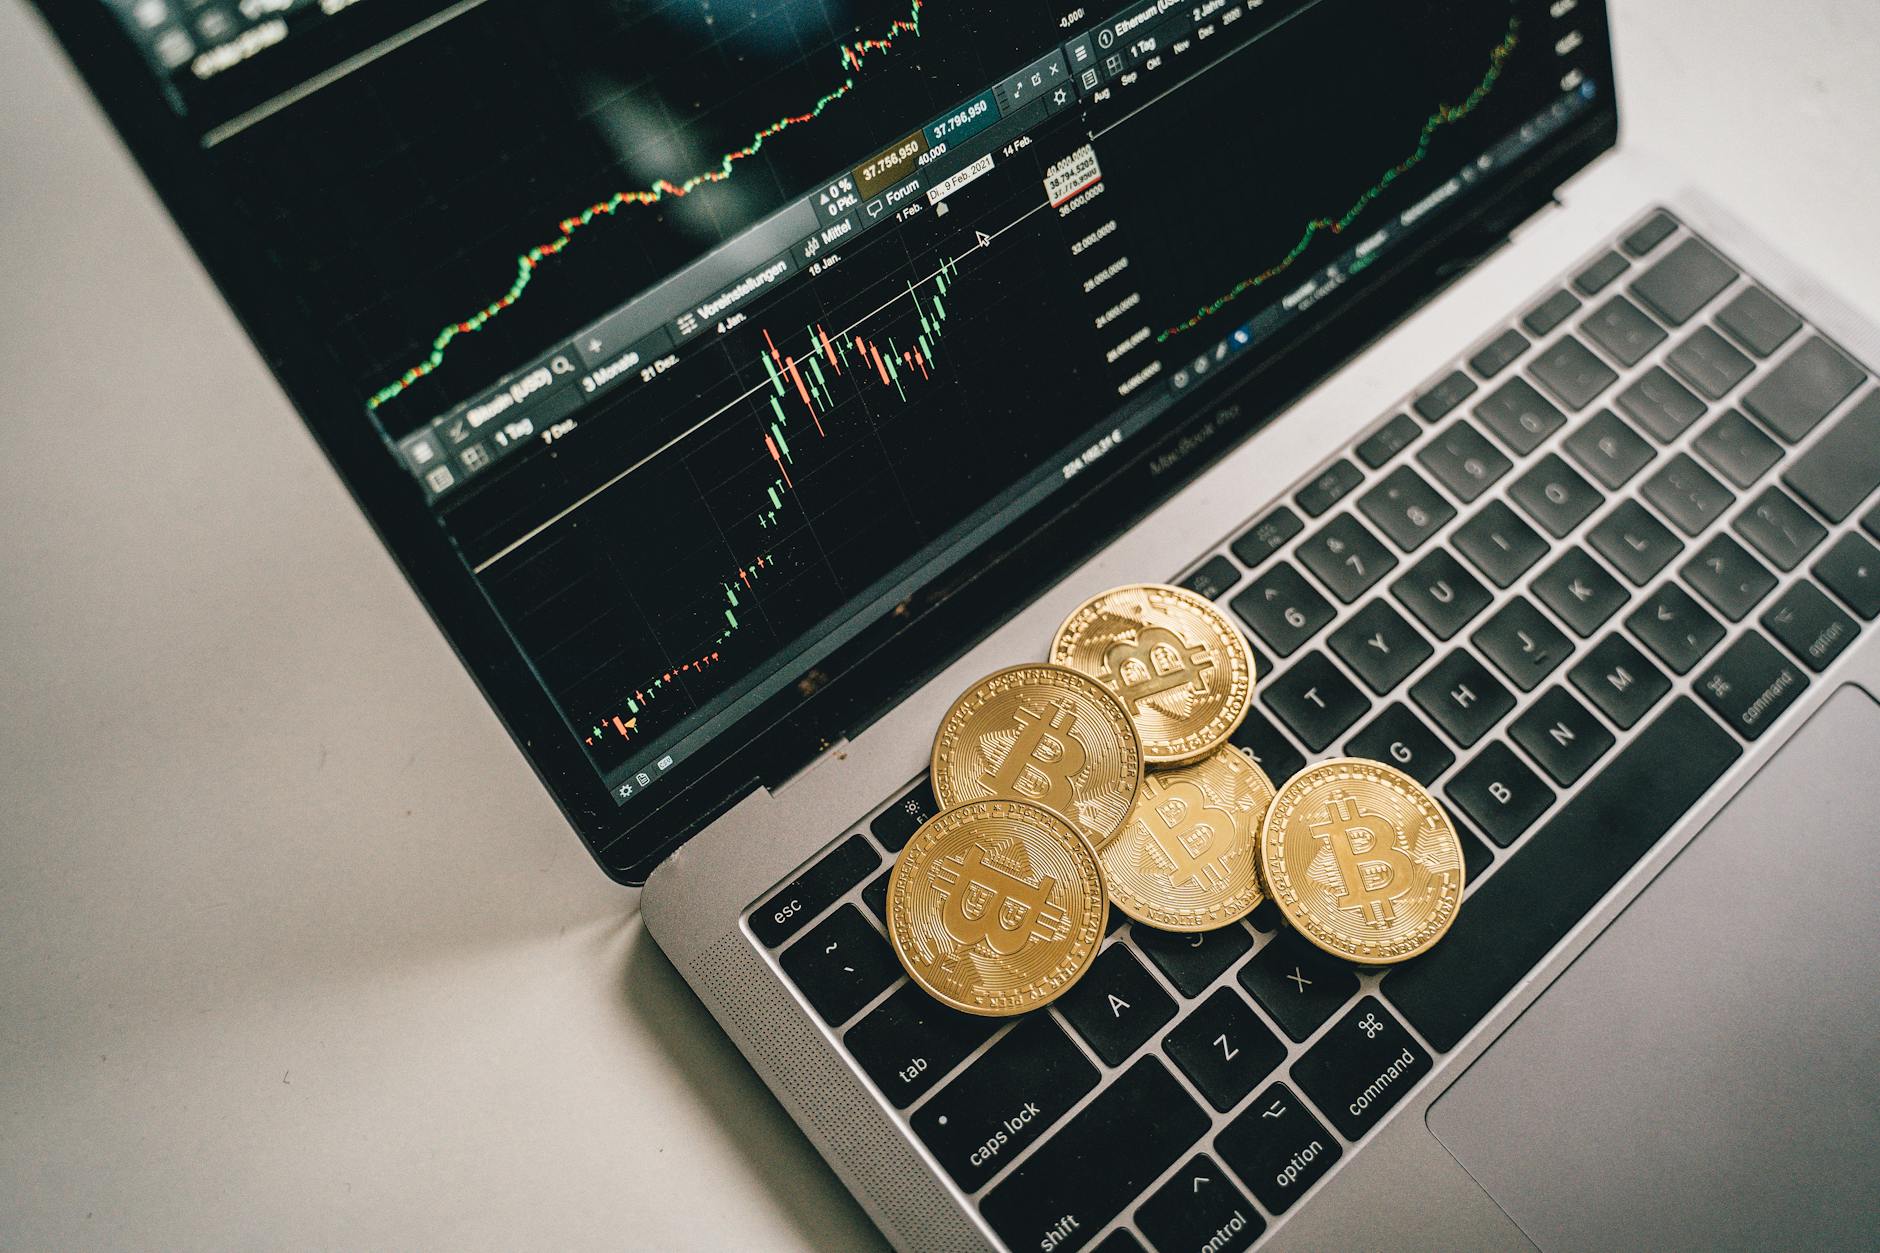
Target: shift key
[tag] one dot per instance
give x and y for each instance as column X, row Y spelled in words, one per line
column 1060, row 1197
column 1004, row 1102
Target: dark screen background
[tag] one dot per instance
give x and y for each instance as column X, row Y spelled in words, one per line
column 397, row 200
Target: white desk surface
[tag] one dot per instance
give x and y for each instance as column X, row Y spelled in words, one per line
column 293, row 950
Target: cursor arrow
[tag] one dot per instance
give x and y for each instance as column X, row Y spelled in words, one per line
column 984, row 239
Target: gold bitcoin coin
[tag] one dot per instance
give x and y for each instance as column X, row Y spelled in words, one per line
column 1181, row 668
column 1362, row 861
column 996, row 907
column 1045, row 735
column 1185, row 859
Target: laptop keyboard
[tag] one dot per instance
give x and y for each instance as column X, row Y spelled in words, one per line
column 1582, row 568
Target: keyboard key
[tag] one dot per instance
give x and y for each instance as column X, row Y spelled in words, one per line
column 1793, row 398
column 1116, row 1005
column 1401, row 738
column 1224, row 1049
column 1555, row 495
column 1684, row 280
column 1298, row 985
column 1598, row 276
column 1728, row 577
column 1851, row 569
column 1496, row 355
column 1736, row 449
column 1572, row 373
column 1551, row 312
column 1578, row 589
column 1758, row 321
column 1380, row 646
column 1199, row 1209
column 1500, row 794
column 1315, row 700
column 1780, row 529
column 1652, row 232
column 1660, row 404
column 796, row 905
column 1441, row 593
column 1282, row 609
column 841, row 964
column 1537, row 895
column 910, row 1042
column 875, row 896
column 1444, row 396
column 1608, row 449
column 1463, row 697
column 1750, row 685
column 1082, row 1177
column 1278, row 1148
column 1810, row 625
column 1347, row 558
column 1499, row 543
column 1270, row 750
column 1361, row 1068
column 1871, row 523
column 894, row 826
column 1618, row 678
column 1709, row 363
column 1522, row 643
column 1688, row 494
column 1519, row 416
column 1388, row 440
column 1562, row 735
column 1675, row 627
column 1267, row 536
column 1005, row 1101
column 1476, row 858
column 1406, row 508
column 1333, row 483
column 1843, row 468
column 1636, row 542
column 1622, row 329
column 1192, row 962
column 1214, row 579
column 1464, row 461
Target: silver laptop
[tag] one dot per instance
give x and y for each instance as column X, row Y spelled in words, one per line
column 736, row 383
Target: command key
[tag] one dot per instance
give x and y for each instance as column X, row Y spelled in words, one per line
column 1361, row 1068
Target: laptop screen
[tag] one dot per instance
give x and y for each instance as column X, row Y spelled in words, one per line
column 705, row 333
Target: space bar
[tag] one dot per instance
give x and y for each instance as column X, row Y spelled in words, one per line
column 1520, row 913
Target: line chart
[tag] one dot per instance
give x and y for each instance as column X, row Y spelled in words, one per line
column 853, row 55
column 1445, row 115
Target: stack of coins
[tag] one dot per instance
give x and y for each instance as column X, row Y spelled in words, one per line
column 1105, row 778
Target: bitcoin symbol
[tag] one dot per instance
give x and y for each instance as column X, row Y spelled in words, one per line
column 1190, row 833
column 1375, row 872
column 985, row 904
column 1156, row 661
column 1041, row 763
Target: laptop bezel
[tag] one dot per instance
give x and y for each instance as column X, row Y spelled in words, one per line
column 869, row 676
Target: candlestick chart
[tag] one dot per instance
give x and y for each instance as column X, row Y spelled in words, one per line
column 810, row 376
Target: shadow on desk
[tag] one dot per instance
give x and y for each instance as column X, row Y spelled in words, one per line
column 730, row 1093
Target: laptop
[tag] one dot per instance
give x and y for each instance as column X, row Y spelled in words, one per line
column 738, row 382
